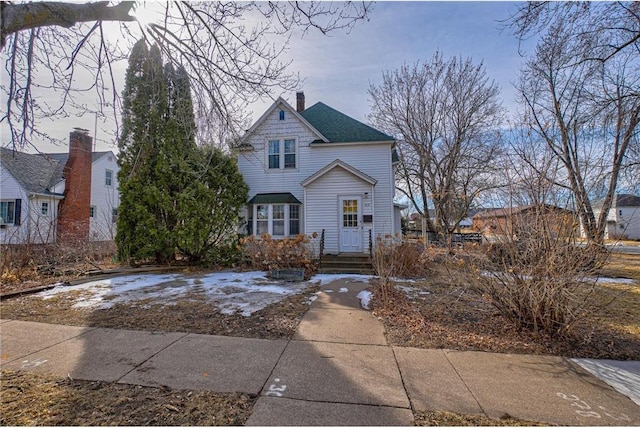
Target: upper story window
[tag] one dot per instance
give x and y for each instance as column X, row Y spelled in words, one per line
column 44, row 208
column 108, row 177
column 282, row 154
column 92, row 211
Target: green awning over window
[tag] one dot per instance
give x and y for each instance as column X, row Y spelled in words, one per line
column 274, row 198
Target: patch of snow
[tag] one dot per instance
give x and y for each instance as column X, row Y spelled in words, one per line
column 623, row 376
column 409, row 280
column 412, row 292
column 616, row 280
column 232, row 292
column 312, row 299
column 327, row 278
column 365, row 298
column 343, row 290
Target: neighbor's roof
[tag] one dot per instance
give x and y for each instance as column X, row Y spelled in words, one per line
column 274, row 198
column 505, row 212
column 339, row 128
column 35, row 173
column 620, row 200
column 62, row 157
column 627, row 200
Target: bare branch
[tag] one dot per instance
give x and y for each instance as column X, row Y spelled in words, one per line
column 25, row 16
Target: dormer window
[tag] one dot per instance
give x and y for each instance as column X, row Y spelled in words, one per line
column 282, row 154
column 281, row 114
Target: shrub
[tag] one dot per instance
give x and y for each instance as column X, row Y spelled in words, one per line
column 540, row 280
column 21, row 262
column 393, row 258
column 267, row 253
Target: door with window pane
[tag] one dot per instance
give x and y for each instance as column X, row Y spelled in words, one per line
column 350, row 227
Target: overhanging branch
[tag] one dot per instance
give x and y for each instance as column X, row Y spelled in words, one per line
column 24, row 16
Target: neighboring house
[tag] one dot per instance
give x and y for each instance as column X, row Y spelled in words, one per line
column 46, row 198
column 516, row 220
column 623, row 221
column 316, row 169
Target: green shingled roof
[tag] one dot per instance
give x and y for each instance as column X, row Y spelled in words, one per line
column 274, row 198
column 340, row 128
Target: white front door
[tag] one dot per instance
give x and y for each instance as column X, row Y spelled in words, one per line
column 350, row 227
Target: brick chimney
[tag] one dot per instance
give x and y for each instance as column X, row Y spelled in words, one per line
column 73, row 212
column 299, row 101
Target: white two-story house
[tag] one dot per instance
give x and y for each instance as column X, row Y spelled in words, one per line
column 319, row 170
column 44, row 196
column 623, row 219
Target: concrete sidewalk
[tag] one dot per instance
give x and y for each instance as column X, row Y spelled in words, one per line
column 337, row 370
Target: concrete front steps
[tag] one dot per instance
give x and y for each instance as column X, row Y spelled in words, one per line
column 346, row 263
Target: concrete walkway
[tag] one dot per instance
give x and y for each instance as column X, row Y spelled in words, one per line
column 337, row 370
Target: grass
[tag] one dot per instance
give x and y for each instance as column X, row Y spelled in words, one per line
column 445, row 312
column 35, row 399
column 622, row 266
column 440, row 418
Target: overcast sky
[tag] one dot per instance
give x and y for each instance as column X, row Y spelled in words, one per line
column 338, row 69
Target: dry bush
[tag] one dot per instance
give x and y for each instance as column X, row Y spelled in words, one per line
column 393, row 258
column 533, row 276
column 267, row 253
column 21, row 262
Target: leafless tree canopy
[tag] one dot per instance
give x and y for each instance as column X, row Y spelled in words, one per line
column 228, row 49
column 581, row 91
column 605, row 28
column 444, row 112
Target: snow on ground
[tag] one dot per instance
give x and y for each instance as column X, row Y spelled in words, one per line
column 326, row 278
column 231, row 292
column 413, row 293
column 604, row 280
column 365, row 298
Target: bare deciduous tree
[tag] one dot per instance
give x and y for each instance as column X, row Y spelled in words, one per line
column 445, row 114
column 51, row 47
column 606, row 29
column 587, row 113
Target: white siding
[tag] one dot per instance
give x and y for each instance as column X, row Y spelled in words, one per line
column 35, row 227
column 322, row 208
column 628, row 223
column 373, row 159
column 42, row 227
column 10, row 190
column 104, row 198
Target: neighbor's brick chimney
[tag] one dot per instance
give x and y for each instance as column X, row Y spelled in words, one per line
column 73, row 213
column 299, row 101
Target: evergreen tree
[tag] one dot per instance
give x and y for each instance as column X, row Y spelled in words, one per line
column 209, row 208
column 142, row 232
column 175, row 197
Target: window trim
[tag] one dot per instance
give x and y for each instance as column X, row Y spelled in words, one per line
column 6, row 222
column 110, row 172
column 281, row 154
column 253, row 218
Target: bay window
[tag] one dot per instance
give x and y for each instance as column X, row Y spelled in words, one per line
column 278, row 220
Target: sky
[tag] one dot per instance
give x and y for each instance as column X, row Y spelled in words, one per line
column 338, row 69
